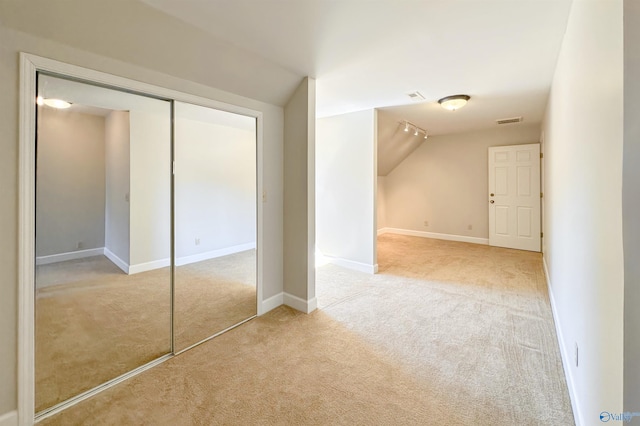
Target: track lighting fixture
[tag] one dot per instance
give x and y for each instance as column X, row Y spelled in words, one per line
column 416, row 130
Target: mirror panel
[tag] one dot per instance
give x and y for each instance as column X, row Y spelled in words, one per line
column 215, row 222
column 103, row 236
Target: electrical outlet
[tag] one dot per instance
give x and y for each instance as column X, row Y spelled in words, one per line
column 470, row 227
column 197, row 241
column 426, row 223
column 79, row 245
column 576, row 354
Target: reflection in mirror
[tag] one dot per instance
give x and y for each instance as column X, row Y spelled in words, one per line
column 103, row 236
column 215, row 222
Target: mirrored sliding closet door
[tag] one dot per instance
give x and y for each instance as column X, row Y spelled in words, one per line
column 103, row 236
column 215, row 222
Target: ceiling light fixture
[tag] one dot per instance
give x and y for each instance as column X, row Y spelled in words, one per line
column 416, row 130
column 454, row 102
column 54, row 103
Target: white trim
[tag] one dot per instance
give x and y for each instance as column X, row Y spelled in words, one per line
column 448, row 237
column 185, row 260
column 382, row 231
column 72, row 255
column 566, row 357
column 270, row 303
column 29, row 65
column 26, row 242
column 9, row 419
column 116, row 260
column 306, row 306
column 149, row 266
column 351, row 264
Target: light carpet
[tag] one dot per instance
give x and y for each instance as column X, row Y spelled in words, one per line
column 447, row 334
column 95, row 323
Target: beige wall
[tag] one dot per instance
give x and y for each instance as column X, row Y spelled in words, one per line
column 148, row 71
column 583, row 134
column 381, row 206
column 70, row 181
column 631, row 207
column 299, row 200
column 445, row 182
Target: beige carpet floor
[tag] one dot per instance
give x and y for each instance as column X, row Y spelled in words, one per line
column 94, row 323
column 447, row 334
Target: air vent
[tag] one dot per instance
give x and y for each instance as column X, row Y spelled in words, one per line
column 509, row 120
column 416, row 96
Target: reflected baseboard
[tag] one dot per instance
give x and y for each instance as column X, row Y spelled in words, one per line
column 212, row 254
column 9, row 419
column 116, row 260
column 72, row 255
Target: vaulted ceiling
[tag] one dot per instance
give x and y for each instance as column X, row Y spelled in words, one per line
column 364, row 53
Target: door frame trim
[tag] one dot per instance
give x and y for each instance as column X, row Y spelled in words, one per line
column 29, row 65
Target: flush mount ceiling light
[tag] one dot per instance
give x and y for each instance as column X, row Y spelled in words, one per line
column 54, row 103
column 416, row 130
column 454, row 102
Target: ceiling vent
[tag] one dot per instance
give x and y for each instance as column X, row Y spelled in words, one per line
column 509, row 120
column 416, row 96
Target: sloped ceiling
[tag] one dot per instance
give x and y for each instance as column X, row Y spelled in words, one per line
column 364, row 53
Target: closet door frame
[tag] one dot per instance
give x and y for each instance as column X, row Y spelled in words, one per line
column 29, row 66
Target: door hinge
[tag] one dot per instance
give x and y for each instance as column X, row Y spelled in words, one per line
column 541, row 234
column 541, row 195
column 541, row 155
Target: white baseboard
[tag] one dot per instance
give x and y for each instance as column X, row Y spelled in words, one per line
column 116, row 260
column 306, row 306
column 350, row 264
column 9, row 419
column 271, row 303
column 72, row 255
column 185, row 260
column 149, row 266
column 448, row 237
column 566, row 357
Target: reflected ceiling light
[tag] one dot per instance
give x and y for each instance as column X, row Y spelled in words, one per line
column 406, row 126
column 454, row 102
column 54, row 103
column 416, row 132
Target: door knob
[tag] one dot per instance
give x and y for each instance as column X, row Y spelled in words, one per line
column 491, row 194
column 491, row 201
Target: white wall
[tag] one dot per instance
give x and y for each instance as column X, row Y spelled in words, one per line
column 215, row 187
column 583, row 215
column 346, row 189
column 117, row 184
column 149, row 70
column 70, row 181
column 631, row 207
column 299, row 197
column 445, row 182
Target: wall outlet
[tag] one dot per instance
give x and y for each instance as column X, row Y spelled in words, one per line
column 426, row 223
column 576, row 354
column 470, row 227
column 197, row 241
column 79, row 245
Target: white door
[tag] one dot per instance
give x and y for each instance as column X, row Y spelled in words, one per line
column 514, row 196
